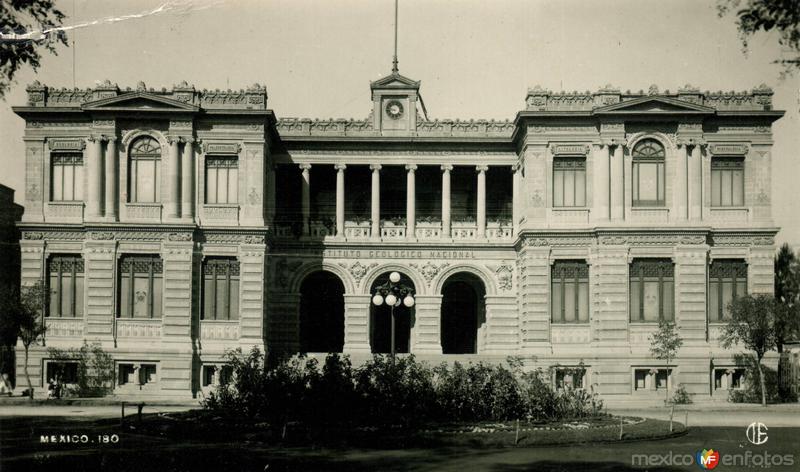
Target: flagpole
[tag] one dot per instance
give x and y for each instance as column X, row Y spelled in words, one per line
column 394, row 61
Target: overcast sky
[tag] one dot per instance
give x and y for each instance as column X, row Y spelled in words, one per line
column 475, row 59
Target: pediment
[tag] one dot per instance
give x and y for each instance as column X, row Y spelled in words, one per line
column 395, row 80
column 654, row 105
column 141, row 101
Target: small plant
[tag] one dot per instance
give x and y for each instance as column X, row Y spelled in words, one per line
column 96, row 371
column 680, row 396
column 664, row 345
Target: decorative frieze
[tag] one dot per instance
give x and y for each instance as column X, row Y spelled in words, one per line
column 233, row 238
column 57, row 144
column 728, row 149
column 742, row 240
column 569, row 149
column 429, row 270
column 358, row 270
column 222, row 148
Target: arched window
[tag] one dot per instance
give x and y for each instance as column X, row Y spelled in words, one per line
column 144, row 170
column 648, row 173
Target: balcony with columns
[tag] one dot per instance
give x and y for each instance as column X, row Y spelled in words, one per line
column 403, row 203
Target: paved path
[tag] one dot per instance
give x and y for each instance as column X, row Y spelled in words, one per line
column 98, row 411
column 773, row 415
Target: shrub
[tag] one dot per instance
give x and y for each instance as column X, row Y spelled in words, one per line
column 96, row 371
column 751, row 393
column 478, row 392
column 681, row 396
column 395, row 391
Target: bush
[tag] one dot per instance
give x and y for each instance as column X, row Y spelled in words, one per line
column 751, row 393
column 96, row 372
column 391, row 391
column 681, row 396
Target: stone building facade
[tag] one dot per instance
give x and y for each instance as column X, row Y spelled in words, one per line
column 174, row 224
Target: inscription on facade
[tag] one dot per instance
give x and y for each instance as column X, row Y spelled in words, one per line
column 391, row 254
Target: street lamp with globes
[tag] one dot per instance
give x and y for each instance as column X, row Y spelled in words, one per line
column 394, row 294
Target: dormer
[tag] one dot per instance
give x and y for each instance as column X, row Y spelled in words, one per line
column 394, row 104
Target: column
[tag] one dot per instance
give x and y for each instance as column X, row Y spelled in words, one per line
column 515, row 197
column 187, row 180
column 446, row 200
column 411, row 202
column 695, row 179
column 270, row 192
column 174, row 178
column 93, row 208
column 375, row 213
column 111, row 179
column 681, row 183
column 306, row 197
column 481, row 217
column 600, row 179
column 340, row 199
column 617, row 184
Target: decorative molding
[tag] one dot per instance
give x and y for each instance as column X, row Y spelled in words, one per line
column 728, row 149
column 57, row 144
column 179, row 236
column 571, row 149
column 222, row 148
column 742, row 240
column 505, row 277
column 358, row 270
column 101, row 235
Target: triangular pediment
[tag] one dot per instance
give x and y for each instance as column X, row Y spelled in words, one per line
column 395, row 80
column 141, row 101
column 656, row 105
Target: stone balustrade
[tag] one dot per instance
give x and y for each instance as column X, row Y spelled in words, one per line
column 64, row 327
column 64, row 212
column 143, row 212
column 221, row 213
column 219, row 330
column 133, row 328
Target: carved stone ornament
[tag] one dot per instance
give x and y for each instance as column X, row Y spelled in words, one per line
column 101, row 236
column 571, row 149
column 179, row 236
column 33, row 236
column 359, row 270
column 222, row 148
column 254, row 239
column 429, row 270
column 66, row 144
column 728, row 149
column 505, row 277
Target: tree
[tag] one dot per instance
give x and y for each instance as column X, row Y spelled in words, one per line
column 9, row 327
column 27, row 27
column 30, row 313
column 752, row 325
column 664, row 344
column 787, row 294
column 782, row 16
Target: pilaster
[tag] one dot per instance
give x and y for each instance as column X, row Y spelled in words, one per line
column 252, row 191
column 100, row 259
column 175, row 376
column 690, row 292
column 426, row 331
column 35, row 186
column 252, row 263
column 356, row 323
column 283, row 322
column 502, row 325
column 534, row 297
column 609, row 279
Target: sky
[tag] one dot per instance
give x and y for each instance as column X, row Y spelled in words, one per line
column 475, row 58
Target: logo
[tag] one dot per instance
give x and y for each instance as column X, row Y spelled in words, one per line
column 757, row 433
column 707, row 459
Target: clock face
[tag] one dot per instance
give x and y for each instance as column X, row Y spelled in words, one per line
column 394, row 109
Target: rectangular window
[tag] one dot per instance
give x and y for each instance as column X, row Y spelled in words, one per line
column 570, row 292
column 570, row 377
column 652, row 290
column 221, row 289
column 140, row 287
column 222, row 180
column 648, row 183
column 569, row 182
column 65, row 372
column 214, row 375
column 66, row 176
column 728, row 378
column 645, row 379
column 727, row 181
column 727, row 279
column 65, row 284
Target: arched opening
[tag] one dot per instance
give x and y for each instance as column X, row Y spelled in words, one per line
column 322, row 313
column 463, row 313
column 380, row 321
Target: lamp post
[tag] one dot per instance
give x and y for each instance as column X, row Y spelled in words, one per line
column 393, row 293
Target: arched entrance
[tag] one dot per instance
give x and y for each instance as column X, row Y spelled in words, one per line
column 380, row 322
column 321, row 313
column 463, row 313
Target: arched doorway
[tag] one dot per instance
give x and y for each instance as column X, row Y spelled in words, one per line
column 380, row 322
column 463, row 313
column 321, row 313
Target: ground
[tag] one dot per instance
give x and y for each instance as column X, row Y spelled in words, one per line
column 721, row 428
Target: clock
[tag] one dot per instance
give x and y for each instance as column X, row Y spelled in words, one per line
column 394, row 109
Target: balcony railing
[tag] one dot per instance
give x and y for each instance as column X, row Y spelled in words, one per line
column 357, row 230
column 499, row 231
column 64, row 327
column 729, row 216
column 392, row 230
column 144, row 212
column 223, row 330
column 428, row 230
column 464, row 230
column 128, row 328
column 221, row 213
column 64, row 212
